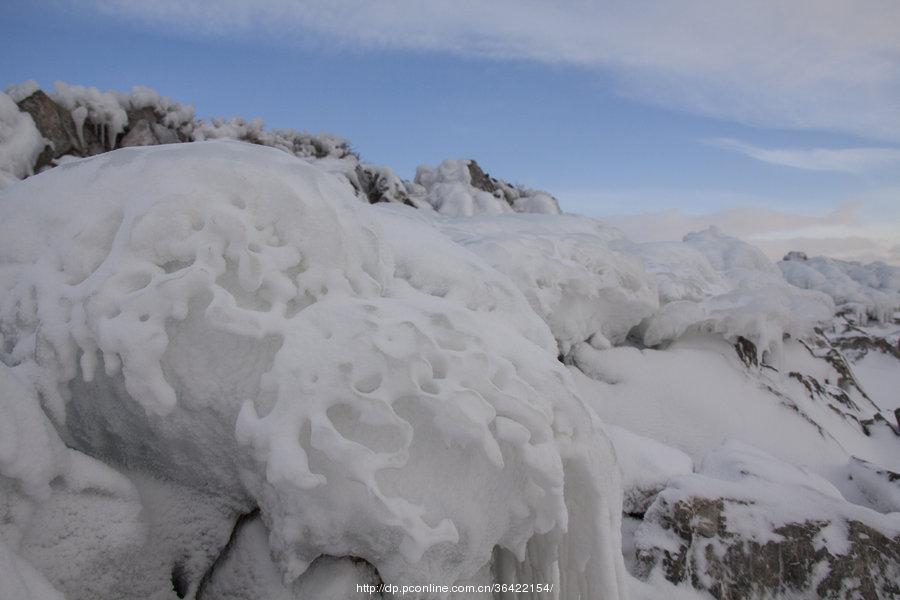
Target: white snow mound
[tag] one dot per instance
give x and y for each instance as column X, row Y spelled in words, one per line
column 232, row 318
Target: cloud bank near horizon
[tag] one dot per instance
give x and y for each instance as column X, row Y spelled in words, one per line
column 844, row 232
column 810, row 64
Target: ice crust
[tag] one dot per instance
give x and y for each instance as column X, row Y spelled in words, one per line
column 232, row 317
column 20, row 141
column 865, row 291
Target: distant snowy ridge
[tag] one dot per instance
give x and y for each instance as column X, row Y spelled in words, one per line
column 267, row 369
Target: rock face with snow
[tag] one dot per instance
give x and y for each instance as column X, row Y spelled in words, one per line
column 254, row 365
column 748, row 526
column 79, row 121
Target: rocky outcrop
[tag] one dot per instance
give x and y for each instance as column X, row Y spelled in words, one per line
column 80, row 121
column 735, row 531
column 55, row 124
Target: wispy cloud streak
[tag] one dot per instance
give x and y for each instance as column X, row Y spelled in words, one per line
column 824, row 64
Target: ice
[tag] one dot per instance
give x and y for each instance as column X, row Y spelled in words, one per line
column 864, row 291
column 714, row 283
column 450, row 190
column 20, row 91
column 20, row 141
column 582, row 287
column 259, row 339
column 102, row 108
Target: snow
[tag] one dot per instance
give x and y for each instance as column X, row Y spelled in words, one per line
column 449, row 191
column 713, row 283
column 865, row 484
column 259, row 339
column 693, row 397
column 764, row 494
column 20, row 91
column 269, row 368
column 880, row 377
column 20, row 141
column 448, row 188
column 865, row 291
column 174, row 114
column 646, row 465
column 579, row 285
column 102, row 108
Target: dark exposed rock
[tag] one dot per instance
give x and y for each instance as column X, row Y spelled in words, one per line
column 712, row 558
column 746, row 351
column 55, row 124
column 795, row 255
column 378, row 186
column 480, row 179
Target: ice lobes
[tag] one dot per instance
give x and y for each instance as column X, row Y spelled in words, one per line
column 864, row 291
column 232, row 317
column 713, row 283
column 570, row 275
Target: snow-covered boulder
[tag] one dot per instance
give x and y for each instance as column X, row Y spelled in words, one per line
column 747, row 525
column 459, row 188
column 231, row 319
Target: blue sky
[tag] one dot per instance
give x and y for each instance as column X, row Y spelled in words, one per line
column 610, row 115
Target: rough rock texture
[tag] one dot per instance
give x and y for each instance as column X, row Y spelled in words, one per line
column 480, row 179
column 750, row 568
column 735, row 530
column 55, row 124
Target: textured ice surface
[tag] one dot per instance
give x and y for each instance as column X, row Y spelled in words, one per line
column 583, row 288
column 232, row 318
column 20, row 141
column 756, row 303
column 865, row 291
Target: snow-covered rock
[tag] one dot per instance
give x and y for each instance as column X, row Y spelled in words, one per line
column 254, row 339
column 747, row 525
column 863, row 291
column 459, row 188
column 647, row 466
column 736, row 292
column 20, row 141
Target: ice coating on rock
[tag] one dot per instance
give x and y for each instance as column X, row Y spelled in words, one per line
column 102, row 108
column 232, row 316
column 714, row 283
column 20, row 140
column 863, row 291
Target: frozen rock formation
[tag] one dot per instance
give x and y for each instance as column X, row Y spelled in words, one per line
column 747, row 525
column 259, row 340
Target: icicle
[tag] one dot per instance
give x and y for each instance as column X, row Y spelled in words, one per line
column 79, row 115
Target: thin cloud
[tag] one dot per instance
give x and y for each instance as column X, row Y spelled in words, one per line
column 823, row 64
column 843, row 232
column 846, row 160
